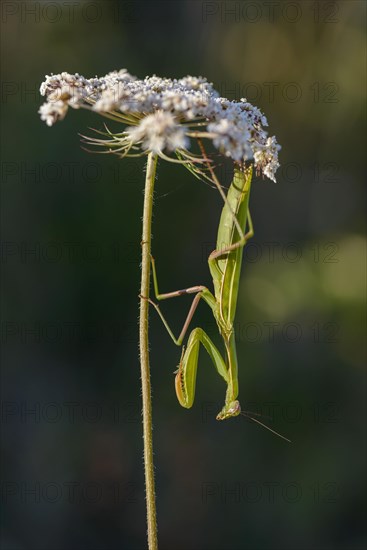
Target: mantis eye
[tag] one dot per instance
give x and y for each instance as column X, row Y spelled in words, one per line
column 234, row 409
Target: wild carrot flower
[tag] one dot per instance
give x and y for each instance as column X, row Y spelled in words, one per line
column 165, row 116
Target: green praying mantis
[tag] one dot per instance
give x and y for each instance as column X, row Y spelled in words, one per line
column 225, row 267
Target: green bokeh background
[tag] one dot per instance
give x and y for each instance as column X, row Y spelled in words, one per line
column 228, row 485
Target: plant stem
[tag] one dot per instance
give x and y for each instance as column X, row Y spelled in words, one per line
column 144, row 353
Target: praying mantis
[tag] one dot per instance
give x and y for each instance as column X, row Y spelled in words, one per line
column 225, row 267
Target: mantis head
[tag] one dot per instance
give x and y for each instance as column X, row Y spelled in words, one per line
column 232, row 409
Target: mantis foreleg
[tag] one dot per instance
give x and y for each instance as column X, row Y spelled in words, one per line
column 186, row 374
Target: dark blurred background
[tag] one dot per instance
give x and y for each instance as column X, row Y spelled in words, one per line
column 71, row 226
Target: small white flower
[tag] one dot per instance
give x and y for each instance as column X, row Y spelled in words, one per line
column 232, row 137
column 266, row 157
column 51, row 112
column 158, row 132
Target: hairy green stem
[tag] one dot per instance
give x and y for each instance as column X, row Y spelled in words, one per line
column 144, row 353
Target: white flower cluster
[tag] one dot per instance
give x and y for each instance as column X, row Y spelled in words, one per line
column 162, row 114
column 159, row 131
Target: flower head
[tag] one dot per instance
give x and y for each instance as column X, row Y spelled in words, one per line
column 164, row 115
